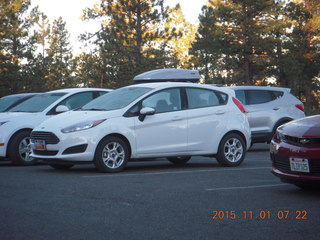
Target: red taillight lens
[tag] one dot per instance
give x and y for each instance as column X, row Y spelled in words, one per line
column 300, row 107
column 239, row 105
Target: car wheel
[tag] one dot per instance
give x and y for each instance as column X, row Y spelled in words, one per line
column 19, row 149
column 231, row 151
column 111, row 155
column 179, row 160
column 61, row 166
column 306, row 186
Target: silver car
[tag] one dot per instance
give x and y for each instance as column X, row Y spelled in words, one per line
column 268, row 108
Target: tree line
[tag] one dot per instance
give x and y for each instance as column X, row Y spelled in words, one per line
column 237, row 42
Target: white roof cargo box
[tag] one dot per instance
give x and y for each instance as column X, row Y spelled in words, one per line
column 168, row 75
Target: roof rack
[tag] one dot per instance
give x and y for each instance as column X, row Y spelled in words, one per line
column 168, row 75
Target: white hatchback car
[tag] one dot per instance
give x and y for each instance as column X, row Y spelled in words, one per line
column 17, row 124
column 172, row 120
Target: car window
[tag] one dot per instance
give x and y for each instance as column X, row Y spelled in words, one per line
column 37, row 103
column 77, row 100
column 198, row 98
column 240, row 95
column 6, row 102
column 164, row 101
column 100, row 93
column 259, row 96
column 277, row 94
column 116, row 99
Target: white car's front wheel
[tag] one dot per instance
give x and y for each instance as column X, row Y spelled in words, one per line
column 232, row 150
column 111, row 155
column 19, row 149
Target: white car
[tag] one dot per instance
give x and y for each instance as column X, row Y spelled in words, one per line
column 172, row 120
column 17, row 124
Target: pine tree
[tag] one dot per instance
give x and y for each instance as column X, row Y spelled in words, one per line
column 59, row 57
column 127, row 41
column 13, row 44
column 237, row 30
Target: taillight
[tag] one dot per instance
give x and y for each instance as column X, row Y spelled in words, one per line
column 300, row 107
column 239, row 105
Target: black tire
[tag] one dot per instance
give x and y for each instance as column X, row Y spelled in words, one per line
column 19, row 149
column 61, row 166
column 111, row 155
column 179, row 160
column 231, row 151
column 308, row 187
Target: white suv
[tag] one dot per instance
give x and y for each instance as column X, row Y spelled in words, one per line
column 173, row 120
column 17, row 124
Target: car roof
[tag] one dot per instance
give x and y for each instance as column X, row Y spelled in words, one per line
column 260, row 88
column 161, row 85
column 73, row 90
column 21, row 95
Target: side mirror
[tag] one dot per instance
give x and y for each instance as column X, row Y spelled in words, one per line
column 62, row 108
column 146, row 111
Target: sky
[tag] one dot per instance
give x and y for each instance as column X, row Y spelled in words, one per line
column 71, row 11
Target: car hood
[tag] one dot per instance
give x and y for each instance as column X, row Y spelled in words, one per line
column 6, row 116
column 72, row 117
column 302, row 128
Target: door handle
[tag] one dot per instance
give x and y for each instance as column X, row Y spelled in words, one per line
column 219, row 112
column 276, row 108
column 176, row 118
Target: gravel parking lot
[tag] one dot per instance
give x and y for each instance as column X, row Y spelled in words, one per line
column 156, row 200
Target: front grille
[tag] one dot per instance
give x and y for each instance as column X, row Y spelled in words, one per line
column 302, row 141
column 45, row 153
column 76, row 149
column 283, row 163
column 48, row 137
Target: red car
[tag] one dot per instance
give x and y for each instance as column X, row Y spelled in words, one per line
column 295, row 152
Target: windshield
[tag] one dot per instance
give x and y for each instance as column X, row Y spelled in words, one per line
column 117, row 99
column 37, row 103
column 6, row 102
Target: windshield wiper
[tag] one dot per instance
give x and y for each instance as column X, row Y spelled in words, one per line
column 93, row 109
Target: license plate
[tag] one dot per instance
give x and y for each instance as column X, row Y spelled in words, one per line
column 299, row 165
column 39, row 145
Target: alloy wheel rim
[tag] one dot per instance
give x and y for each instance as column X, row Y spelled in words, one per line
column 113, row 155
column 233, row 150
column 25, row 150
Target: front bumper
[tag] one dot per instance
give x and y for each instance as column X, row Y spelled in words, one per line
column 69, row 147
column 281, row 152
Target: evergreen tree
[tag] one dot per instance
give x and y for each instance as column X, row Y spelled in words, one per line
column 14, row 28
column 59, row 57
column 236, row 28
column 127, row 42
column 180, row 42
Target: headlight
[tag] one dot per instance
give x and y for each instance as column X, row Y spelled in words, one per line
column 1, row 123
column 280, row 136
column 82, row 126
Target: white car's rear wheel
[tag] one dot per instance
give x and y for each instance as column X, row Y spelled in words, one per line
column 232, row 150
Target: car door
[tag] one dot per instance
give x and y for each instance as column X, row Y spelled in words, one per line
column 165, row 132
column 262, row 110
column 207, row 116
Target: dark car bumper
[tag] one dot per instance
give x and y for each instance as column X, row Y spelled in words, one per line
column 281, row 152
